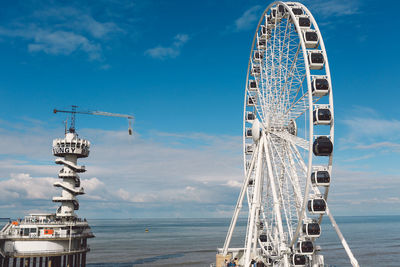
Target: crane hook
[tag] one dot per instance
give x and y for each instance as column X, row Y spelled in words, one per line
column 130, row 131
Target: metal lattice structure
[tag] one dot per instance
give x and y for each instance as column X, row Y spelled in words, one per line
column 288, row 139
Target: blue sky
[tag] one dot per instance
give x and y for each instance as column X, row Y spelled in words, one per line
column 180, row 68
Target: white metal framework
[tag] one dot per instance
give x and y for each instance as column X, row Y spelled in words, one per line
column 288, row 131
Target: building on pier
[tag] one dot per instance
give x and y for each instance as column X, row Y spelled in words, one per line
column 58, row 239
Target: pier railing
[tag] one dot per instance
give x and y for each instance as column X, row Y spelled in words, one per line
column 50, row 237
column 42, row 252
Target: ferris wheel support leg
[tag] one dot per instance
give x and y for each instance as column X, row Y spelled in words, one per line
column 346, row 247
column 259, row 188
column 238, row 206
column 255, row 206
column 276, row 202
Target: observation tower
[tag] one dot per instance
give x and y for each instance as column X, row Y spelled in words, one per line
column 55, row 239
column 58, row 239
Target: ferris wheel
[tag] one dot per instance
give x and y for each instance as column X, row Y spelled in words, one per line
column 288, row 140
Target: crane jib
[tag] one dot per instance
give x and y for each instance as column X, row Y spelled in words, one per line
column 73, row 113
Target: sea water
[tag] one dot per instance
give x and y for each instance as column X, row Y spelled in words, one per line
column 375, row 241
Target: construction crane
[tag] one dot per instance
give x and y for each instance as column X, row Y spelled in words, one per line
column 74, row 111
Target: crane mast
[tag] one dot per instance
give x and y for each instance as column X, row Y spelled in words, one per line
column 74, row 111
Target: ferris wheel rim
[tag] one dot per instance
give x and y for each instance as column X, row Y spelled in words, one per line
column 328, row 74
column 310, row 99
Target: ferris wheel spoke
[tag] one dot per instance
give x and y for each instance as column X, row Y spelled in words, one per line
column 287, row 93
column 298, row 108
column 267, row 224
column 297, row 170
column 298, row 93
column 290, row 169
column 291, row 172
column 276, row 202
column 292, row 192
column 293, row 61
column 281, row 185
column 299, row 159
column 294, row 74
column 287, row 57
column 281, row 56
column 298, row 141
column 278, row 63
column 299, row 103
column 297, row 78
column 289, row 71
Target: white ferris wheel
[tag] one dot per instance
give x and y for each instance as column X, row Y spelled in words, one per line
column 288, row 130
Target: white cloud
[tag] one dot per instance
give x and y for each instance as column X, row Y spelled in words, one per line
column 55, row 42
column 105, row 67
column 368, row 130
column 62, row 31
column 372, row 127
column 233, row 183
column 75, row 19
column 190, row 188
column 172, row 51
column 23, row 186
column 92, row 185
column 363, row 157
column 171, row 158
column 247, row 20
column 180, row 39
column 373, row 192
column 63, row 43
column 123, row 194
column 98, row 29
column 375, row 200
column 335, row 7
column 135, row 197
column 175, row 195
column 381, row 145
